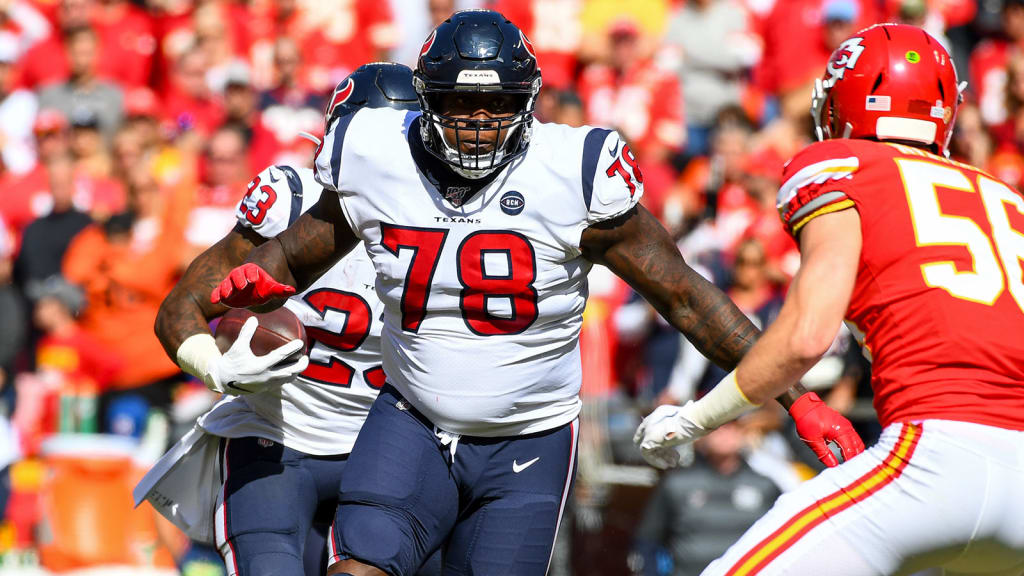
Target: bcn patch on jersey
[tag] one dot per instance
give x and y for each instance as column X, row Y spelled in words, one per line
column 499, row 276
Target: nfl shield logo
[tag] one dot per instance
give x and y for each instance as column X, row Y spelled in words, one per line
column 512, row 203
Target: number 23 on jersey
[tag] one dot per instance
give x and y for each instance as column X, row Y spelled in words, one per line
column 996, row 257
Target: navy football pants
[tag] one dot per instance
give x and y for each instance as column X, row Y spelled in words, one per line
column 276, row 507
column 492, row 508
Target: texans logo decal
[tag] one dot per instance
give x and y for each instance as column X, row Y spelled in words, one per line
column 340, row 96
column 428, row 43
column 527, row 44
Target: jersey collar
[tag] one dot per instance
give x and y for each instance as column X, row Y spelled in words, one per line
column 455, row 189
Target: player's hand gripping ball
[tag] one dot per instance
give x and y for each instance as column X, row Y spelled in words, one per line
column 259, row 350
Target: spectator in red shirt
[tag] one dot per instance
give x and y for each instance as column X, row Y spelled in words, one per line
column 225, row 174
column 141, row 112
column 128, row 42
column 190, row 104
column 241, row 110
column 335, row 37
column 289, row 108
column 46, row 62
column 124, row 34
column 555, row 30
column 799, row 36
column 71, row 368
column 26, row 197
column 989, row 62
column 634, row 95
column 99, row 192
column 763, row 177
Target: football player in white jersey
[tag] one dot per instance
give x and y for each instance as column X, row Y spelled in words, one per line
column 277, row 454
column 482, row 225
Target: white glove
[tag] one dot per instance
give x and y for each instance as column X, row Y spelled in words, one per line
column 239, row 371
column 663, row 430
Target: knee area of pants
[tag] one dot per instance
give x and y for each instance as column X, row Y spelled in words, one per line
column 272, row 564
column 373, row 533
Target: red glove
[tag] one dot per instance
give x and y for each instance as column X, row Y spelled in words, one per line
column 817, row 425
column 249, row 285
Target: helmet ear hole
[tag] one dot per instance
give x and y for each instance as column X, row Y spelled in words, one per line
column 830, row 117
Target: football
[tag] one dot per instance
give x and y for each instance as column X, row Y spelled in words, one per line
column 275, row 329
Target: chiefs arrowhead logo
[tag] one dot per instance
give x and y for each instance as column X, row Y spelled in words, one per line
column 844, row 58
column 527, row 44
column 340, row 96
column 428, row 43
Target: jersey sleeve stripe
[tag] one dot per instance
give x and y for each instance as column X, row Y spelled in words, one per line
column 295, row 186
column 592, row 145
column 817, row 173
column 834, row 207
column 815, row 203
column 336, row 147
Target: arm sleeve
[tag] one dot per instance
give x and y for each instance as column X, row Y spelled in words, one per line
column 815, row 183
column 612, row 180
column 272, row 202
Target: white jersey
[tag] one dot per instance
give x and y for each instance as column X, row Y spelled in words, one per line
column 321, row 411
column 483, row 301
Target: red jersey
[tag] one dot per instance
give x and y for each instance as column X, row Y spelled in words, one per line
column 988, row 78
column 555, row 29
column 644, row 102
column 939, row 297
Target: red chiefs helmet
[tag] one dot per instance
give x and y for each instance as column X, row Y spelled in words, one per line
column 890, row 82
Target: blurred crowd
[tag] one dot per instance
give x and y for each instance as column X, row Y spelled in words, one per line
column 129, row 131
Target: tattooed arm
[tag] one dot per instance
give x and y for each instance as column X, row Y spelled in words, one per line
column 637, row 248
column 298, row 256
column 187, row 309
column 309, row 247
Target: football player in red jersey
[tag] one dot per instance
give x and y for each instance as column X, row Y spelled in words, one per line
column 922, row 257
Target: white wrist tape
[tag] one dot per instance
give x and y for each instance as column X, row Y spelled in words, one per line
column 197, row 355
column 724, row 403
